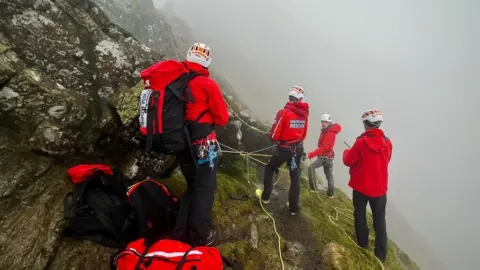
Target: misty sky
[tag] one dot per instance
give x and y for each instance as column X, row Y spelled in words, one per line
column 417, row 61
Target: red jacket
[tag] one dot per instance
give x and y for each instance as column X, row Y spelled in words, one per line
column 368, row 161
column 326, row 141
column 205, row 91
column 291, row 123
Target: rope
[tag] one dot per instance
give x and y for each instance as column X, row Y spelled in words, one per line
column 341, row 211
column 338, row 210
column 276, row 232
column 248, row 157
column 248, row 125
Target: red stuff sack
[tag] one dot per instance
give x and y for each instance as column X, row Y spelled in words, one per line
column 167, row 255
column 79, row 173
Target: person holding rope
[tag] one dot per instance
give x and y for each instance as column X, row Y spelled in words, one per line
column 288, row 131
column 324, row 154
column 368, row 160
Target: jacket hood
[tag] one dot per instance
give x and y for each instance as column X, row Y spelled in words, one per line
column 300, row 108
column 375, row 140
column 335, row 128
column 197, row 68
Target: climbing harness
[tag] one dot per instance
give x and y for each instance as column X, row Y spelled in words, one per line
column 207, row 151
column 334, row 220
column 293, row 163
column 249, row 155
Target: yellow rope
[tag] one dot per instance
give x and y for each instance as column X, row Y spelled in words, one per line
column 276, row 232
column 341, row 211
column 338, row 211
column 248, row 125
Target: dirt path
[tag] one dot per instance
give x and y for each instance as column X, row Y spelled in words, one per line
column 294, row 229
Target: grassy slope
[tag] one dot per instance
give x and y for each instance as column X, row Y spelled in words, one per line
column 234, row 219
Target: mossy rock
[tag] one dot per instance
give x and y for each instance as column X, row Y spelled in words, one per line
column 3, row 47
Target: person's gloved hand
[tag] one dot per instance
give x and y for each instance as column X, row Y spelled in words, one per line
column 276, row 171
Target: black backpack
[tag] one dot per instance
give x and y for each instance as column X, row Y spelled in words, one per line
column 98, row 209
column 156, row 209
column 162, row 112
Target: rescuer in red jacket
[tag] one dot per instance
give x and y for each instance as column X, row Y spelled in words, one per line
column 198, row 163
column 368, row 160
column 288, row 131
column 324, row 153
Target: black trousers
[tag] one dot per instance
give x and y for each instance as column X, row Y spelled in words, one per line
column 194, row 220
column 378, row 205
column 281, row 155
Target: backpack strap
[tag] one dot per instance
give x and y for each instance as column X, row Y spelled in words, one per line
column 152, row 117
column 202, row 114
column 140, row 260
column 183, row 260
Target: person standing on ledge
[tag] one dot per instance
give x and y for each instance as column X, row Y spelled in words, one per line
column 324, row 154
column 368, row 160
column 288, row 131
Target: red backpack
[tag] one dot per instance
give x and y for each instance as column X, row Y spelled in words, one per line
column 162, row 108
column 169, row 255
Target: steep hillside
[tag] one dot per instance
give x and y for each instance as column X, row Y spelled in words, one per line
column 69, row 94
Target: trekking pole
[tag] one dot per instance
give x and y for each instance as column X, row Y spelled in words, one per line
column 346, row 144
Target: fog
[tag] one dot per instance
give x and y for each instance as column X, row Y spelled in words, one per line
column 417, row 61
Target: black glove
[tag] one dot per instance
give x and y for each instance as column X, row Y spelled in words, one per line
column 276, row 171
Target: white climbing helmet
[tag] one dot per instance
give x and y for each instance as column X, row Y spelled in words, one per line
column 200, row 53
column 374, row 117
column 326, row 117
column 296, row 92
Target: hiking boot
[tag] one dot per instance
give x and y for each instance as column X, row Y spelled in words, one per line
column 291, row 212
column 212, row 235
column 382, row 259
column 258, row 193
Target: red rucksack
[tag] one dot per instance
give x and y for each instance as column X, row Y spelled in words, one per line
column 79, row 173
column 162, row 108
column 169, row 255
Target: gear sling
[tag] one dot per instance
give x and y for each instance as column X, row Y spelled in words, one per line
column 162, row 112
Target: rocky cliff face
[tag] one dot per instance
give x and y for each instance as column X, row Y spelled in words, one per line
column 145, row 22
column 60, row 63
column 69, row 94
column 66, row 81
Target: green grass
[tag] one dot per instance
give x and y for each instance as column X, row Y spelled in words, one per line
column 234, row 219
column 3, row 47
column 320, row 211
